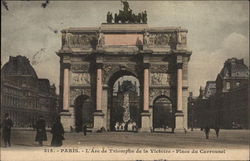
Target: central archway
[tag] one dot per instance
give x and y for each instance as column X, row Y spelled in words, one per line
column 124, row 103
column 83, row 112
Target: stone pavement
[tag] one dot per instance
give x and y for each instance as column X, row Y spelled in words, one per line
column 231, row 145
column 193, row 139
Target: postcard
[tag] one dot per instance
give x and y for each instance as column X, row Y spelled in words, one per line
column 124, row 80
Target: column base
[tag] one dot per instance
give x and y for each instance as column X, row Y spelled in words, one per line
column 145, row 122
column 179, row 122
column 98, row 121
column 66, row 120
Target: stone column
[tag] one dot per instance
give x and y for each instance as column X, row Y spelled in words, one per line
column 66, row 88
column 179, row 116
column 98, row 114
column 179, row 87
column 99, row 88
column 145, row 115
column 65, row 114
column 146, row 88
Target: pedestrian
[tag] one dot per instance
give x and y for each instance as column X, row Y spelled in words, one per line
column 41, row 131
column 6, row 125
column 207, row 130
column 84, row 128
column 185, row 130
column 217, row 130
column 57, row 133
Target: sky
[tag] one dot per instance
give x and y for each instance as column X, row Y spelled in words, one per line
column 217, row 31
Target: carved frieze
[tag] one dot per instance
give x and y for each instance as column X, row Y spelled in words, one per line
column 75, row 92
column 64, row 39
column 80, row 67
column 80, row 40
column 101, row 39
column 159, row 39
column 107, row 68
column 131, row 66
column 183, row 38
column 173, row 38
column 80, row 79
column 155, row 92
column 159, row 68
column 159, row 79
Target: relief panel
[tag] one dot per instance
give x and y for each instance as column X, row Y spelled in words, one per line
column 80, row 79
column 79, row 40
column 80, row 67
column 159, row 68
column 159, row 79
column 159, row 39
column 183, row 38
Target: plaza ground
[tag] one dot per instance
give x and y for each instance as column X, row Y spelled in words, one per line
column 232, row 145
column 238, row 139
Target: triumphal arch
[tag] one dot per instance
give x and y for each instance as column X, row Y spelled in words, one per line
column 92, row 59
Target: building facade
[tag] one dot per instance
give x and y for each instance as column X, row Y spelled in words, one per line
column 224, row 102
column 92, row 59
column 24, row 96
column 232, row 98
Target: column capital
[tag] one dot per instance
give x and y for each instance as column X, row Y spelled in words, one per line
column 66, row 65
column 99, row 65
column 146, row 65
column 179, row 58
column 179, row 65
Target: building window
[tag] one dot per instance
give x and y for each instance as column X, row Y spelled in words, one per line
column 227, row 85
column 237, row 84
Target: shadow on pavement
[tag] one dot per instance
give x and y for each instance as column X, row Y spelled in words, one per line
column 31, row 145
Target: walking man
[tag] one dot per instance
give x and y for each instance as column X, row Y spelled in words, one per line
column 57, row 133
column 85, row 129
column 217, row 130
column 41, row 131
column 207, row 130
column 7, row 124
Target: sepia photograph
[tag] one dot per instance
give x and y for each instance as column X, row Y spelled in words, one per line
column 135, row 80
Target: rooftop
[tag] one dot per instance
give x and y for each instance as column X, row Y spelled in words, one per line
column 19, row 65
column 234, row 68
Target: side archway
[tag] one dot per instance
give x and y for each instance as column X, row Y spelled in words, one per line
column 84, row 109
column 163, row 114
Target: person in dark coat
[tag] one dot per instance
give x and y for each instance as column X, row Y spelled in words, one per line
column 57, row 133
column 85, row 129
column 41, row 131
column 207, row 130
column 217, row 130
column 6, row 125
column 217, row 127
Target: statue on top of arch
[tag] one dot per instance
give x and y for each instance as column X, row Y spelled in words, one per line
column 127, row 16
